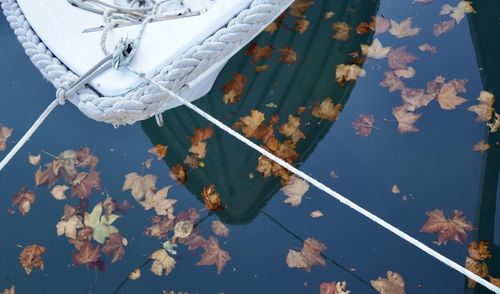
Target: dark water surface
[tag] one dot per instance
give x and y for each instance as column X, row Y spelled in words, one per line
column 433, row 168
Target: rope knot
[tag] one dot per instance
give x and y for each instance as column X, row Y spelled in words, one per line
column 61, row 96
column 123, row 53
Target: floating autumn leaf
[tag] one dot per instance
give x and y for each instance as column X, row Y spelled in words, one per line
column 458, row 12
column 250, row 123
column 272, row 28
column 495, row 124
column 395, row 189
column 481, row 147
column 258, row 53
column 10, row 290
column 299, row 7
column 301, row 25
column 447, row 96
column 327, row 110
column 454, row 228
column 295, row 190
column 479, row 251
column 405, row 119
column 34, row 159
column 158, row 200
column 484, row 109
column 341, row 31
column 375, row 50
column 310, row 255
column 58, row 192
column 364, row 124
column 160, row 226
column 201, row 134
column 159, row 150
column 416, row 98
column 403, row 29
column 392, row 82
column 381, row 24
column 329, row 14
column 234, row 89
column 101, row 225
column 46, row 176
column 178, row 173
column 365, row 27
column 348, row 72
column 291, row 128
column 394, row 284
column 399, row 58
column 288, row 55
column 427, row 48
column 478, row 267
column 316, row 214
column 5, row 133
column 69, row 223
column 214, row 255
column 406, row 73
column 443, row 27
column 333, row 288
column 220, row 229
column 211, row 198
column 495, row 281
column 199, row 149
column 31, row 257
column 84, row 183
column 86, row 159
column 135, row 274
column 115, row 247
column 87, row 254
column 23, row 200
column 139, row 184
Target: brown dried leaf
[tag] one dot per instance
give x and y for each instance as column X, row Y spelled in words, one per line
column 447, row 96
column 327, row 110
column 31, row 257
column 158, row 200
column 310, row 255
column 399, row 58
column 348, row 72
column 299, row 7
column 375, row 50
column 258, row 53
column 454, row 228
column 341, row 31
column 484, row 109
column 479, row 251
column 220, row 229
column 392, row 81
column 34, row 160
column 139, row 184
column 214, row 255
column 363, row 125
column 159, row 150
column 301, row 25
column 443, row 27
column 87, row 254
column 481, row 147
column 115, row 246
column 381, row 24
column 58, row 192
column 405, row 119
column 403, row 29
column 478, row 267
column 333, row 288
column 178, row 173
column 23, row 200
column 234, row 89
column 5, row 133
column 288, row 55
column 211, row 198
column 394, row 284
column 291, row 129
column 163, row 264
column 84, row 183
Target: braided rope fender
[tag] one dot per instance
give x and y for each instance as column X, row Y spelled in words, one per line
column 146, row 100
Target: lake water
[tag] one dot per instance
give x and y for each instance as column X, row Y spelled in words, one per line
column 435, row 168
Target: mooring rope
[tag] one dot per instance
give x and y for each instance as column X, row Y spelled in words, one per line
column 329, row 191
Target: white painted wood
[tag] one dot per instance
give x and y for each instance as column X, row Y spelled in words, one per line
column 61, row 27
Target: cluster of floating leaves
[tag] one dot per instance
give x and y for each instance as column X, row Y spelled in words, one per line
column 72, row 175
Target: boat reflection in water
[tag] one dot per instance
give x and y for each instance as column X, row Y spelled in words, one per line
column 284, row 88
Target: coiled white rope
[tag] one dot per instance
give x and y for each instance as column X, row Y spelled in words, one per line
column 329, row 191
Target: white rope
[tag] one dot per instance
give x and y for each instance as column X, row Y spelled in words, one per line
column 332, row 193
column 29, row 133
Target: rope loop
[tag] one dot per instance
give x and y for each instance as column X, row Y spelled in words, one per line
column 61, row 96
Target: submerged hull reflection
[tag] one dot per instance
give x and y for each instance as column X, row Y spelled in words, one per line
column 231, row 165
